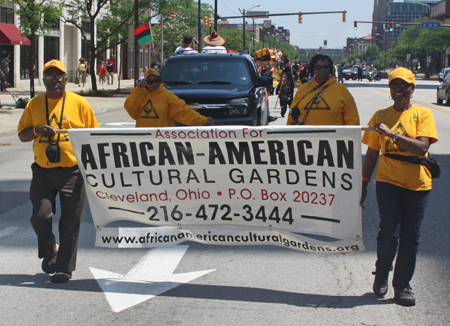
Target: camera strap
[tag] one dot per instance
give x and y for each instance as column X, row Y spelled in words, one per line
column 309, row 105
column 60, row 119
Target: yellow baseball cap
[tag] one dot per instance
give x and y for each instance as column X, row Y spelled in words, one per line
column 55, row 64
column 402, row 73
column 151, row 71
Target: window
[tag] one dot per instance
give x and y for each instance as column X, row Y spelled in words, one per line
column 6, row 15
column 51, row 48
column 25, row 65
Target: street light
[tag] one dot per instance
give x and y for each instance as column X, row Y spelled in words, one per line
column 243, row 22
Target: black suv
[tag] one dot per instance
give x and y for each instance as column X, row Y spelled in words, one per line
column 226, row 87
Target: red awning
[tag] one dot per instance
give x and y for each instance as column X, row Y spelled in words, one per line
column 10, row 34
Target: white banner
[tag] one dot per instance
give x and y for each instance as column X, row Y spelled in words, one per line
column 284, row 185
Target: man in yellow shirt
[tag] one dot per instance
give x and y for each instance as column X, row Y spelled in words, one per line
column 55, row 169
column 152, row 105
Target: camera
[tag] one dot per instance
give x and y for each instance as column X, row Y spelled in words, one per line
column 53, row 154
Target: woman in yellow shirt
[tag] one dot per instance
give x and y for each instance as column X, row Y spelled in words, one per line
column 402, row 188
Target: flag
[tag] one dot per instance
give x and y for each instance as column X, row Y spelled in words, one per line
column 143, row 33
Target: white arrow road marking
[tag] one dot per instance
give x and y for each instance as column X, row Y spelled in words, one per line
column 149, row 278
column 8, row 231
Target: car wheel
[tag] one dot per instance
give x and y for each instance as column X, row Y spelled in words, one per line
column 377, row 78
column 438, row 100
column 354, row 77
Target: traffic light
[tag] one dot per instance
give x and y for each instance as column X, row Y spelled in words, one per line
column 300, row 18
column 205, row 21
column 209, row 21
column 355, row 25
column 344, row 16
column 391, row 26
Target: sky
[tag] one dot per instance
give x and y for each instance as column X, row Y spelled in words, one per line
column 315, row 28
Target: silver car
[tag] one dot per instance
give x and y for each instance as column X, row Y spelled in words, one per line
column 443, row 91
column 443, row 73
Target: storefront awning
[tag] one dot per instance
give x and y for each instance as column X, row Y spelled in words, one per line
column 10, row 34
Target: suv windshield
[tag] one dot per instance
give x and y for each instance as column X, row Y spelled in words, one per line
column 194, row 70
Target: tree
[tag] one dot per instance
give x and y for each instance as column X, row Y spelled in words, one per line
column 35, row 18
column 112, row 18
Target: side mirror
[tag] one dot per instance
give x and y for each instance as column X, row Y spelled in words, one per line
column 264, row 81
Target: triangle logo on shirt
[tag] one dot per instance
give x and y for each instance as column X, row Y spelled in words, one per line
column 149, row 111
column 393, row 147
column 317, row 104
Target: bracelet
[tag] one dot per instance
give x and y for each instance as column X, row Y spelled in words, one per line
column 394, row 137
column 365, row 179
column 34, row 131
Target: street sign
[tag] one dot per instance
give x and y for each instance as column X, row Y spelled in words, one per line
column 394, row 60
column 408, row 56
column 430, row 24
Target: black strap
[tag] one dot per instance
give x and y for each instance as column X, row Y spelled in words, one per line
column 314, row 89
column 409, row 159
column 60, row 119
column 310, row 103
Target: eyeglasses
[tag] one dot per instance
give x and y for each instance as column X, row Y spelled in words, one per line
column 321, row 67
column 152, row 81
column 401, row 85
column 58, row 78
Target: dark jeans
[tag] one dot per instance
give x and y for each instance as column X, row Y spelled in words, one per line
column 401, row 215
column 45, row 186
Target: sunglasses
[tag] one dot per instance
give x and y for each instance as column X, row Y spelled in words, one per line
column 152, row 81
column 58, row 78
column 402, row 86
column 321, row 67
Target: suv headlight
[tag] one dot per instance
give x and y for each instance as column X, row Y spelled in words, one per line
column 243, row 100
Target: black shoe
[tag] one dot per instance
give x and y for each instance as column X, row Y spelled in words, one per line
column 61, row 277
column 380, row 288
column 272, row 119
column 405, row 297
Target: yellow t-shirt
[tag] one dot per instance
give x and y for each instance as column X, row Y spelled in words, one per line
column 414, row 122
column 334, row 107
column 82, row 66
column 77, row 114
column 160, row 108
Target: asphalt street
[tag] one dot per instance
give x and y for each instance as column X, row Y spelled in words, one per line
column 234, row 285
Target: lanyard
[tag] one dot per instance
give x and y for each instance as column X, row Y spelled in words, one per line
column 60, row 119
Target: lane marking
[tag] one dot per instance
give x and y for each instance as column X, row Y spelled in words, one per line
column 8, row 231
column 150, row 277
column 428, row 105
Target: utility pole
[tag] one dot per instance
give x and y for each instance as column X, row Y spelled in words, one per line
column 136, row 45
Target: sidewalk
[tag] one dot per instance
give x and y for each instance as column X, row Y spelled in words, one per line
column 10, row 115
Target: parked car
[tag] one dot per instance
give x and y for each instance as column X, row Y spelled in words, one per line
column 443, row 73
column 226, row 87
column 443, row 91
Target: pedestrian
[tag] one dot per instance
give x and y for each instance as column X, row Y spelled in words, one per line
column 186, row 47
column 402, row 188
column 359, row 71
column 109, row 71
column 55, row 170
column 101, row 73
column 291, row 78
column 5, row 66
column 304, row 73
column 214, row 43
column 160, row 63
column 142, row 75
column 284, row 92
column 4, row 83
column 152, row 105
column 81, row 72
column 323, row 101
column 340, row 70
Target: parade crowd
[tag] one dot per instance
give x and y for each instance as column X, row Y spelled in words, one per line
column 309, row 93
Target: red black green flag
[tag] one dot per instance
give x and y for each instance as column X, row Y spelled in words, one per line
column 143, row 33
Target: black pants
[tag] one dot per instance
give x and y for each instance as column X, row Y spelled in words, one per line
column 45, row 186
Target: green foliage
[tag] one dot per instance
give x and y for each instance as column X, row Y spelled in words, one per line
column 36, row 17
column 420, row 42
